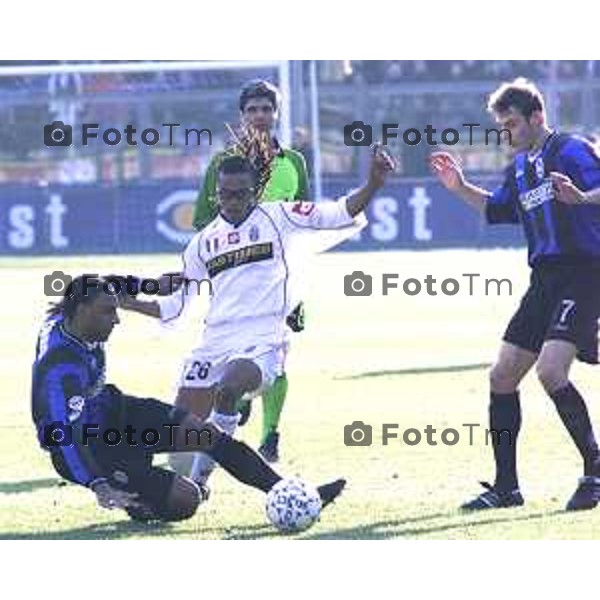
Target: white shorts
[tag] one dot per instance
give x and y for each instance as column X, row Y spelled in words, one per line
column 202, row 369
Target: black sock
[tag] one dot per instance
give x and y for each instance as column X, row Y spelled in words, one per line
column 574, row 414
column 240, row 461
column 505, row 414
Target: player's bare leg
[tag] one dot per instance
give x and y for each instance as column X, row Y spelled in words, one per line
column 512, row 365
column 236, row 457
column 554, row 364
column 199, row 401
column 241, row 376
column 165, row 496
column 510, row 368
column 553, row 369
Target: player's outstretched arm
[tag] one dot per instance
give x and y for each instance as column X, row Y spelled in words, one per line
column 448, row 171
column 173, row 290
column 143, row 307
column 381, row 164
column 172, row 306
column 63, row 388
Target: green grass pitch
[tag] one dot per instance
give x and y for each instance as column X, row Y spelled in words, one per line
column 414, row 361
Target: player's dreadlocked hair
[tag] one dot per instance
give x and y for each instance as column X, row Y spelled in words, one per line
column 520, row 94
column 259, row 88
column 78, row 291
column 256, row 147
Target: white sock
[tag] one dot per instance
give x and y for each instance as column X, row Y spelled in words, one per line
column 228, row 423
column 203, row 464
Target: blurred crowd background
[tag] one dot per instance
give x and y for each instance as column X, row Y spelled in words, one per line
column 410, row 93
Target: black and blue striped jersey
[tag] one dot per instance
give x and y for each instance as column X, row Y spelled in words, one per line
column 554, row 230
column 68, row 390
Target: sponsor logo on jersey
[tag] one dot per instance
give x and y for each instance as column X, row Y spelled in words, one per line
column 303, row 208
column 233, row 237
column 242, row 256
column 74, row 408
column 537, row 196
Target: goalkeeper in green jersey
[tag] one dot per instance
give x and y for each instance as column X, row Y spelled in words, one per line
column 285, row 178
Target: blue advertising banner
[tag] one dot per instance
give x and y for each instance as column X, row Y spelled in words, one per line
column 157, row 218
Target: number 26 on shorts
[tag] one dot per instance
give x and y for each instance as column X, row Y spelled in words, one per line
column 197, row 370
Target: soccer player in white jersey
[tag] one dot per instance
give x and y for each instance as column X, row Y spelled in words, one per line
column 247, row 253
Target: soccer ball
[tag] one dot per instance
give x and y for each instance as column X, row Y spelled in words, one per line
column 293, row 505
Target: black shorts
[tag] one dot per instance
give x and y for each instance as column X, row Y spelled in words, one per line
column 561, row 303
column 129, row 467
column 155, row 424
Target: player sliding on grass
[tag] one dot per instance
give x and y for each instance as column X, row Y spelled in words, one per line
column 71, row 400
column 284, row 179
column 248, row 255
column 552, row 187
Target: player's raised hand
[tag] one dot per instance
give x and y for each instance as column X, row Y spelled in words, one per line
column 566, row 191
column 382, row 163
column 447, row 169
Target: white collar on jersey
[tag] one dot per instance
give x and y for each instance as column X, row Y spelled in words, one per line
column 236, row 225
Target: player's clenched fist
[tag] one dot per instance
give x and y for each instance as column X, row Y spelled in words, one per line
column 382, row 163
